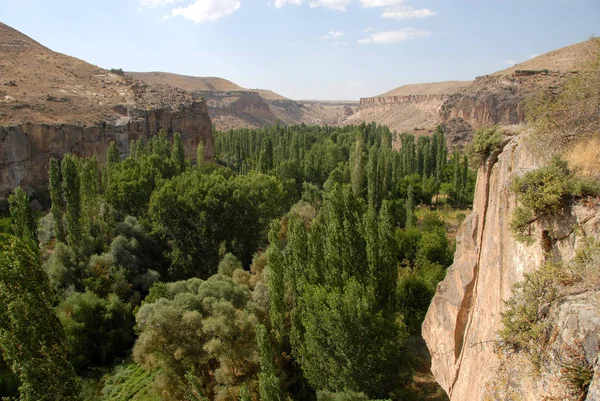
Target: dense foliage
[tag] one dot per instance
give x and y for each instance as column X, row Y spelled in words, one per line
column 295, row 267
column 545, row 193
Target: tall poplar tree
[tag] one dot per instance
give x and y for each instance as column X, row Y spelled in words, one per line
column 178, row 152
column 31, row 337
column 57, row 200
column 72, row 193
column 24, row 225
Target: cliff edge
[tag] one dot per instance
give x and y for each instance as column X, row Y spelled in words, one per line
column 463, row 320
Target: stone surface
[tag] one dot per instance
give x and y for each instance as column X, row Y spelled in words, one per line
column 465, row 314
column 25, row 149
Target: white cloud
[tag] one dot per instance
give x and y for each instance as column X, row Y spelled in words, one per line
column 339, row 5
column 281, row 3
column 533, row 56
column 333, row 35
column 367, row 30
column 206, row 10
column 395, row 36
column 336, row 43
column 407, row 12
column 379, row 3
column 510, row 62
column 154, row 3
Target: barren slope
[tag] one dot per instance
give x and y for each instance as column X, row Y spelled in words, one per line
column 561, row 60
column 37, row 84
column 434, row 88
column 186, row 82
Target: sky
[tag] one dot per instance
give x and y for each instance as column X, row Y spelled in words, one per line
column 307, row 49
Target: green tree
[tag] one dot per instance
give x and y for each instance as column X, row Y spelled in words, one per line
column 410, row 208
column 268, row 383
column 71, row 190
column 178, row 152
column 31, row 337
column 112, row 154
column 57, row 201
column 200, row 153
column 357, row 167
column 24, row 224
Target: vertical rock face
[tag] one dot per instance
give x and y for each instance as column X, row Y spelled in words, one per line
column 25, row 149
column 465, row 314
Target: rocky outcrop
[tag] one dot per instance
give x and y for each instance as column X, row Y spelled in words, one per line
column 499, row 99
column 465, row 314
column 380, row 100
column 25, row 149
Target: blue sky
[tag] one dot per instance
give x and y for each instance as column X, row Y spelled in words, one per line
column 307, row 49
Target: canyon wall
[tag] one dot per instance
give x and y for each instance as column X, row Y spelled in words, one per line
column 465, row 315
column 26, row 149
column 412, row 99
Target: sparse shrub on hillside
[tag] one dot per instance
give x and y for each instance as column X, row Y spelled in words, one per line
column 118, row 71
column 573, row 112
column 485, row 142
column 525, row 328
column 584, row 268
column 546, row 192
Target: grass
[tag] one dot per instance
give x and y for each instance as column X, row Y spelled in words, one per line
column 124, row 382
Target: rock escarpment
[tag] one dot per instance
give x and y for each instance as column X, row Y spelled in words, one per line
column 465, row 315
column 25, row 149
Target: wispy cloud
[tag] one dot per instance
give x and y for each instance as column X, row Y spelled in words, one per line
column 406, row 12
column 331, row 35
column 367, row 30
column 379, row 3
column 281, row 3
column 510, row 62
column 389, row 37
column 533, row 56
column 198, row 11
column 339, row 5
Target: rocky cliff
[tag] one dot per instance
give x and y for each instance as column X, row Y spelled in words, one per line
column 499, row 99
column 25, row 149
column 465, row 315
column 52, row 104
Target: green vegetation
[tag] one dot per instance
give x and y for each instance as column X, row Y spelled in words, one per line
column 545, row 193
column 525, row 322
column 296, row 267
column 485, row 142
column 31, row 337
column 559, row 119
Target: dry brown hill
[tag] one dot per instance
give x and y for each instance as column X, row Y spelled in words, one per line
column 564, row 59
column 434, row 88
column 37, row 84
column 42, row 86
column 186, row 82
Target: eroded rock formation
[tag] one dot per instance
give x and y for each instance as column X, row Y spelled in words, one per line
column 25, row 149
column 465, row 315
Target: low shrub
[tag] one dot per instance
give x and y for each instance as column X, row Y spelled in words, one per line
column 546, row 192
column 485, row 142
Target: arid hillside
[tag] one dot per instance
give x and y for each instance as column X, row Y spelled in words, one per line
column 232, row 106
column 463, row 106
column 433, row 88
column 52, row 104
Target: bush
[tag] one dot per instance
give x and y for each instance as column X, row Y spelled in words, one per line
column 573, row 113
column 524, row 324
column 546, row 192
column 485, row 142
